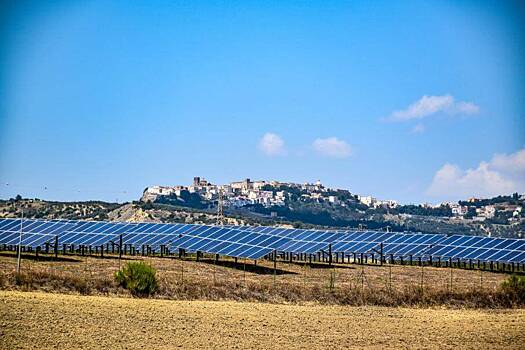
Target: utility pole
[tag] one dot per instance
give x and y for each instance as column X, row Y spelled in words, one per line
column 19, row 256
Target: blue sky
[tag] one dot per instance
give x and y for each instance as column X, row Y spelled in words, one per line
column 409, row 100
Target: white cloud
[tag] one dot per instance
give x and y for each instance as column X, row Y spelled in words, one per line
column 429, row 105
column 512, row 164
column 332, row 147
column 271, row 144
column 418, row 129
column 463, row 107
column 503, row 174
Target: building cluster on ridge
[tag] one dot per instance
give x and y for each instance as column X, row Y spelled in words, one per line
column 266, row 193
column 275, row 193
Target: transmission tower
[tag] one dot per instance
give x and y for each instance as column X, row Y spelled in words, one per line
column 220, row 208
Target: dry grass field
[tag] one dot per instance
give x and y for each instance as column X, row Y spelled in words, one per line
column 293, row 283
column 45, row 320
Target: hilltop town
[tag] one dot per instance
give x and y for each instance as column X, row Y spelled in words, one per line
column 266, row 193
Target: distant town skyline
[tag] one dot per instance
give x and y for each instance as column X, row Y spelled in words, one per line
column 415, row 102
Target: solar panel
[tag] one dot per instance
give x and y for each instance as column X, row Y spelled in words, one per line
column 255, row 242
column 480, row 248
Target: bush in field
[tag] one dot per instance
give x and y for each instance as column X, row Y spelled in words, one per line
column 137, row 277
column 515, row 286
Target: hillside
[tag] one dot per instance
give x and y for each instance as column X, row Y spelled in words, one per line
column 315, row 205
column 507, row 220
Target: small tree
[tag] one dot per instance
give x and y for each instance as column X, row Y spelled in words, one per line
column 139, row 278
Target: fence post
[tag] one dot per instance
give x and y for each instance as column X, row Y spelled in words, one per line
column 274, row 266
column 422, row 274
column 182, row 271
column 451, row 280
column 56, row 246
column 214, row 269
column 390, row 278
column 244, row 272
column 381, row 256
column 120, row 246
column 480, row 279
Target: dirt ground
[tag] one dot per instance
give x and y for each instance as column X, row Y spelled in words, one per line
column 43, row 320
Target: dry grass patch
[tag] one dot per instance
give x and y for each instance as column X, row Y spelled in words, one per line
column 294, row 283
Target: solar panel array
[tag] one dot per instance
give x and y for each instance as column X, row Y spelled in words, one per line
column 256, row 242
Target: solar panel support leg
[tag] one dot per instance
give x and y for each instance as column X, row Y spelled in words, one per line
column 56, row 246
column 512, row 267
column 37, row 250
column 310, row 259
column 47, row 248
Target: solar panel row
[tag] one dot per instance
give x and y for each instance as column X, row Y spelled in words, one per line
column 256, row 242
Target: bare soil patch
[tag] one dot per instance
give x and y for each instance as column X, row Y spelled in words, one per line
column 44, row 320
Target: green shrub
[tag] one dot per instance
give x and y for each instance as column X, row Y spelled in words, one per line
column 137, row 277
column 515, row 286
